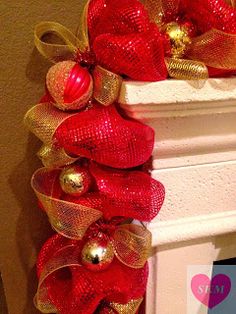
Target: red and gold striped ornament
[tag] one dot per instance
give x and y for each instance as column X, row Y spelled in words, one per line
column 70, row 85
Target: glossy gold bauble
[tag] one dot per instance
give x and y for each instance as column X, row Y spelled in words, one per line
column 75, row 180
column 179, row 38
column 97, row 254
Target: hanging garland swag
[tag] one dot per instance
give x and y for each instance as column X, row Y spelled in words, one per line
column 93, row 183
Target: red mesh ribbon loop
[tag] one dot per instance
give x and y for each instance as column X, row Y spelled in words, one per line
column 101, row 134
column 69, row 288
column 215, row 22
column 131, row 193
column 124, row 41
column 118, row 193
column 209, row 14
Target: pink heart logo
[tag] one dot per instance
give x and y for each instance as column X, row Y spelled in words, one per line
column 211, row 292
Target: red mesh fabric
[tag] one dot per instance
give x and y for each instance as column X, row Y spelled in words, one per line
column 76, row 290
column 46, row 98
column 131, row 194
column 117, row 17
column 207, row 14
column 124, row 41
column 101, row 134
column 220, row 73
column 91, row 199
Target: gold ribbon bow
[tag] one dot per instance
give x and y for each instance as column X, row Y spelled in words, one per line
column 43, row 120
column 201, row 51
column 63, row 258
column 131, row 243
column 106, row 84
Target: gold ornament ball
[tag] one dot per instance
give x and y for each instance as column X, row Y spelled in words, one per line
column 97, row 254
column 75, row 180
column 179, row 38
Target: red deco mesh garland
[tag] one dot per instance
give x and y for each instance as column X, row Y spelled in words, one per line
column 92, row 185
column 107, row 138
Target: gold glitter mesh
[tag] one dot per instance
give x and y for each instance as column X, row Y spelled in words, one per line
column 132, row 245
column 215, row 48
column 106, row 86
column 58, row 52
column 159, row 9
column 55, row 52
column 53, row 157
column 82, row 30
column 43, row 120
column 68, row 50
column 37, row 120
column 129, row 308
column 63, row 258
column 186, row 69
column 69, row 219
column 155, row 10
column 56, row 80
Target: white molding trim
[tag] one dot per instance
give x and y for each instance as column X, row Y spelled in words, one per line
column 199, row 159
column 176, row 98
column 185, row 229
column 177, row 91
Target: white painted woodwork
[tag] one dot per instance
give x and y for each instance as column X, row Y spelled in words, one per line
column 195, row 158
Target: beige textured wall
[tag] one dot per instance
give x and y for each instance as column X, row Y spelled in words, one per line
column 22, row 71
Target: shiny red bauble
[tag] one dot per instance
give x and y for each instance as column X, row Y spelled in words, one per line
column 70, row 85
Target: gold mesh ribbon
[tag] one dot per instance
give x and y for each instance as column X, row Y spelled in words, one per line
column 68, row 256
column 69, row 219
column 129, row 308
column 127, row 241
column 71, row 43
column 106, row 86
column 186, row 69
column 43, row 120
column 177, row 68
column 157, row 9
column 131, row 243
column 63, row 258
column 53, row 157
column 214, row 48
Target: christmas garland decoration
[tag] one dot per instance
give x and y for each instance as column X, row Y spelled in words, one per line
column 93, row 183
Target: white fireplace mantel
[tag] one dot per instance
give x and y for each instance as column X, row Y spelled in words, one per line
column 195, row 158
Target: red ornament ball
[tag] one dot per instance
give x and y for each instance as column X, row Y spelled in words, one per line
column 70, row 85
